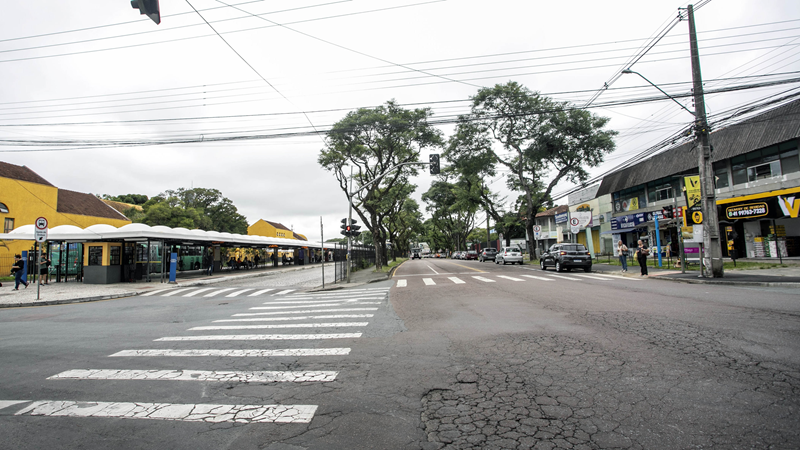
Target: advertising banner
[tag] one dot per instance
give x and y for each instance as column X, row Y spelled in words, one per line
column 694, row 213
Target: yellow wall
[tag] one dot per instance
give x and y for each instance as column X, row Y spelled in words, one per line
column 262, row 228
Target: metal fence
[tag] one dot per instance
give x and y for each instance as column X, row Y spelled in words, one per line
column 362, row 257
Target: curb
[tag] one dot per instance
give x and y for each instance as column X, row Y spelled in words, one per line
column 733, row 283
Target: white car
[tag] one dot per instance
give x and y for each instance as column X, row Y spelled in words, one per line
column 508, row 255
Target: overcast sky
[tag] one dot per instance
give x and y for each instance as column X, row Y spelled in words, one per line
column 79, row 74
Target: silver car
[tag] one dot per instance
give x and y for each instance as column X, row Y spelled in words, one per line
column 508, row 255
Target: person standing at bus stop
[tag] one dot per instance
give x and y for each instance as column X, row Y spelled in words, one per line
column 641, row 256
column 622, row 250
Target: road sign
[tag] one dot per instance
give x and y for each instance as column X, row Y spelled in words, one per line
column 41, row 223
column 537, row 228
column 40, row 231
column 574, row 225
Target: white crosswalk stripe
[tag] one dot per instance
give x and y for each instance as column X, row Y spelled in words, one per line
column 485, row 280
column 197, row 375
column 256, row 293
column 538, row 278
column 258, row 353
column 510, row 278
column 593, row 277
column 176, row 291
column 153, row 292
column 235, row 294
column 282, row 325
column 456, row 280
column 307, row 311
column 315, row 306
column 402, row 283
column 215, row 293
column 284, row 292
column 261, row 337
column 564, row 277
column 273, row 319
column 428, row 281
column 192, row 294
column 211, row 413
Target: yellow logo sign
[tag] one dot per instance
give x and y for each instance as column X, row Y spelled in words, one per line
column 789, row 205
column 697, row 217
column 692, row 185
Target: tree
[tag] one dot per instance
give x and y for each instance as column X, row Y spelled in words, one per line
column 452, row 207
column 372, row 141
column 404, row 225
column 540, row 142
column 133, row 199
column 201, row 208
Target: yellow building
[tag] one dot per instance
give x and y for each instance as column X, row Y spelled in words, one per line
column 273, row 229
column 25, row 196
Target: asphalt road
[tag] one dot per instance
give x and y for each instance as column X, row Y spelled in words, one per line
column 448, row 354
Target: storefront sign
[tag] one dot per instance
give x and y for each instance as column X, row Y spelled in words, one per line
column 694, row 209
column 628, row 222
column 563, row 217
column 789, row 205
column 747, row 211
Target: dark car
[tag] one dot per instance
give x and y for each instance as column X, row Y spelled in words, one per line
column 487, row 254
column 567, row 256
column 471, row 254
column 415, row 255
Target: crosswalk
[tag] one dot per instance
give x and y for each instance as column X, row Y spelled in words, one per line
column 309, row 318
column 492, row 278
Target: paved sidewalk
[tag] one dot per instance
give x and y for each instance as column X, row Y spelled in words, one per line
column 789, row 276
column 72, row 292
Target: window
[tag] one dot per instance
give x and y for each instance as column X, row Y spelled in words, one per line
column 790, row 162
column 8, row 225
column 114, row 254
column 3, row 208
column 95, row 256
column 764, row 171
column 721, row 175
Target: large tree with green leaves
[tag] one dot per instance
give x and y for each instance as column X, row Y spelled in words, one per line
column 540, row 142
column 452, row 207
column 370, row 142
column 206, row 209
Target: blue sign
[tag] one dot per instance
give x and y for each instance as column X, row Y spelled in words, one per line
column 631, row 221
column 563, row 217
column 173, row 265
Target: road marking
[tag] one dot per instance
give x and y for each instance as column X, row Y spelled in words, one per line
column 170, row 411
column 260, row 292
column 6, row 403
column 510, row 278
column 456, row 280
column 485, row 280
column 177, row 291
column 284, row 292
column 260, row 337
column 565, row 277
column 260, row 353
column 402, row 283
column 154, row 292
column 429, row 282
column 537, row 278
column 315, row 302
column 432, row 270
column 617, row 277
column 192, row 294
column 467, row 267
column 331, row 316
column 197, row 375
column 234, row 294
column 218, row 292
column 316, row 306
column 282, row 325
column 592, row 277
column 308, row 311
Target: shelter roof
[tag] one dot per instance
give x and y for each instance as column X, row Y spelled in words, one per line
column 21, row 173
column 299, row 237
column 71, row 202
column 772, row 127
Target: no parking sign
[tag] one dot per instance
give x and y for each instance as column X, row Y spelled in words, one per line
column 574, row 225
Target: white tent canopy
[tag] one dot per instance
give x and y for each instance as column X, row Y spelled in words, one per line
column 141, row 232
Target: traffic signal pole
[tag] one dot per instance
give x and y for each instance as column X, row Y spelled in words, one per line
column 712, row 254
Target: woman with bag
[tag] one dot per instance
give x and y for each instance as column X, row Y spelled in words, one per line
column 622, row 250
column 641, row 256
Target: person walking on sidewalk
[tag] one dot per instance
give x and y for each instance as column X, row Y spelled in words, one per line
column 18, row 269
column 641, row 256
column 622, row 250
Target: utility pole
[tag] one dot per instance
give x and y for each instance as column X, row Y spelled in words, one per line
column 712, row 255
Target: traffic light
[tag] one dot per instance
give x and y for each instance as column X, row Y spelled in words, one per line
column 149, row 8
column 345, row 229
column 354, row 229
column 434, row 160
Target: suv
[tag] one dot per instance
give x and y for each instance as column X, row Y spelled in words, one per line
column 508, row 255
column 487, row 254
column 566, row 256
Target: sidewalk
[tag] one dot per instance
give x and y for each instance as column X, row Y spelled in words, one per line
column 73, row 292
column 789, row 276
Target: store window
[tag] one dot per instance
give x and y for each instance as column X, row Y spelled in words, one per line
column 721, row 179
column 8, row 225
column 790, row 159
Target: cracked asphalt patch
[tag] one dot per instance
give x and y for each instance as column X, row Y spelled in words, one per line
column 548, row 392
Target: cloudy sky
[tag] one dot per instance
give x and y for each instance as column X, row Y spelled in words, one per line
column 227, row 94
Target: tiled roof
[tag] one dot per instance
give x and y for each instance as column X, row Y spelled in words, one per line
column 121, row 206
column 21, row 173
column 299, row 237
column 277, row 225
column 553, row 211
column 71, row 202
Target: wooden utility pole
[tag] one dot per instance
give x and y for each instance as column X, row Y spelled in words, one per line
column 712, row 254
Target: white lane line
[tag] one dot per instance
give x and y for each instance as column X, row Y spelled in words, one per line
column 432, row 270
column 282, row 325
column 200, row 412
column 537, row 278
column 192, row 294
column 260, row 292
column 6, row 403
column 429, row 282
column 456, row 280
column 315, row 302
column 565, row 277
column 345, row 292
column 510, row 278
column 177, row 291
column 260, row 337
column 259, row 353
column 234, row 294
column 153, row 292
column 196, row 375
column 592, row 277
column 284, row 292
column 218, row 292
column 402, row 283
column 616, row 277
column 273, row 319
column 309, row 311
column 485, row 280
column 315, row 306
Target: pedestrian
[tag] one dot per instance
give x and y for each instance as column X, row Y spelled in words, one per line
column 641, row 256
column 44, row 270
column 622, row 249
column 18, row 269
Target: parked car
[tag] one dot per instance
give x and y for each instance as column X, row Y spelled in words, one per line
column 487, row 254
column 567, row 256
column 471, row 254
column 508, row 255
